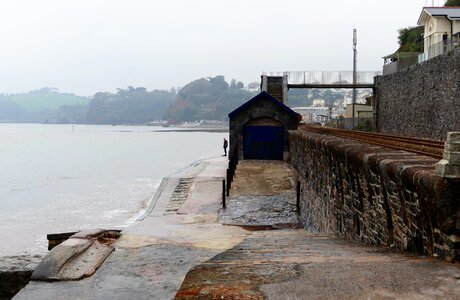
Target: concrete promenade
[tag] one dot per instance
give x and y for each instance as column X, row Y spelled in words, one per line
column 152, row 257
column 180, row 249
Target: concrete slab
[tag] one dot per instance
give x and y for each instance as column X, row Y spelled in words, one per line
column 51, row 265
column 263, row 178
column 293, row 264
column 271, row 211
column 77, row 257
column 205, row 197
column 262, row 194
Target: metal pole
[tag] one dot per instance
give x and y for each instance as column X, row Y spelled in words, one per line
column 354, row 77
column 223, row 194
column 229, row 182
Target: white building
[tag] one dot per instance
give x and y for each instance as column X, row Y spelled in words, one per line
column 312, row 114
column 319, row 102
column 442, row 30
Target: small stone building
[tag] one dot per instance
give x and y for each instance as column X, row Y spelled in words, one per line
column 258, row 128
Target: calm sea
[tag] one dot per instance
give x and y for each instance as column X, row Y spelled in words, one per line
column 57, row 178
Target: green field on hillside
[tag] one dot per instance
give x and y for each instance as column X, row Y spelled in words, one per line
column 49, row 100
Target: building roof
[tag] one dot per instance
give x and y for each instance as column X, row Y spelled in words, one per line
column 267, row 97
column 450, row 12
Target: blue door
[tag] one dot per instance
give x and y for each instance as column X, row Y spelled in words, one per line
column 263, row 142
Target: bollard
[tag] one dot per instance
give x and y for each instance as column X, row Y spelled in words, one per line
column 298, row 197
column 223, row 194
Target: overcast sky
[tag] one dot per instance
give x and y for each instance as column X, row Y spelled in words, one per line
column 86, row 46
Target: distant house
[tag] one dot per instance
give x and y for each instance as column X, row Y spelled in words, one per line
column 442, row 30
column 441, row 35
column 311, row 114
column 362, row 111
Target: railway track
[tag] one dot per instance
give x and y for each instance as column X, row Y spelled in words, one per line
column 427, row 147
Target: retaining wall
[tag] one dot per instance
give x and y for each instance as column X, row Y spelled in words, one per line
column 376, row 195
column 15, row 273
column 422, row 100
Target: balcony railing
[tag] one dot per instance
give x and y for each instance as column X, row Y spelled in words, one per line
column 399, row 61
column 440, row 48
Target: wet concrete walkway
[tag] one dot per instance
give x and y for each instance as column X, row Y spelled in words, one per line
column 180, row 237
column 178, row 231
column 262, row 195
column 293, row 264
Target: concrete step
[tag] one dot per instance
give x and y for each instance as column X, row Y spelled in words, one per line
column 179, row 195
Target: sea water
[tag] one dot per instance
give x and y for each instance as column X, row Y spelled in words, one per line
column 58, row 178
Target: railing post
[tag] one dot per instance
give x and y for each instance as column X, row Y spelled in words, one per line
column 223, row 194
column 229, row 182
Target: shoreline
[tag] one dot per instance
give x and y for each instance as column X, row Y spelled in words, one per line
column 92, row 192
column 188, row 170
column 16, row 270
column 147, row 205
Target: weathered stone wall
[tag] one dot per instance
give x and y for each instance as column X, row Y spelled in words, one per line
column 423, row 100
column 376, row 195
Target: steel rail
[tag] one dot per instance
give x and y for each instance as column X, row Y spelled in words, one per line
column 431, row 148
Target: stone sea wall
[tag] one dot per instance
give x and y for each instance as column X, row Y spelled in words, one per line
column 422, row 100
column 376, row 195
column 15, row 273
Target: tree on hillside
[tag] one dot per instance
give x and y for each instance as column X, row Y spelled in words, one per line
column 233, row 83
column 410, row 39
column 254, row 85
column 10, row 111
column 129, row 106
column 71, row 114
column 45, row 90
column 236, row 85
column 452, row 3
column 218, row 84
column 207, row 99
column 298, row 97
column 330, row 97
column 198, row 86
